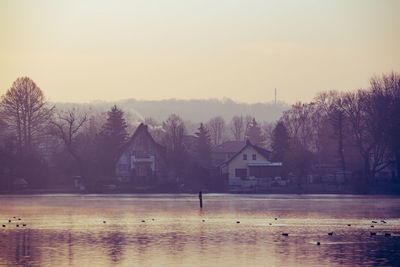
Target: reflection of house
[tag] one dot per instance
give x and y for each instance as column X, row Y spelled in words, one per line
column 143, row 160
column 250, row 167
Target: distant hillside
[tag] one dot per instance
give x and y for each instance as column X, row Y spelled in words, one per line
column 191, row 110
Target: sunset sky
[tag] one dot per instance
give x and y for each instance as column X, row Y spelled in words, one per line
column 79, row 51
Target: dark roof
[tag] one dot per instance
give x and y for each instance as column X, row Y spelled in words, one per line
column 262, row 151
column 229, row 147
column 141, row 128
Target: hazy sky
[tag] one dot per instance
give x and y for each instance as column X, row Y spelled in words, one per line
column 109, row 50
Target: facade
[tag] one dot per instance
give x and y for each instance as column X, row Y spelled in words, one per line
column 142, row 161
column 250, row 167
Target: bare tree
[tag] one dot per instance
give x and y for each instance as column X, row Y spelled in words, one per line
column 216, row 128
column 25, row 110
column 248, row 122
column 66, row 126
column 331, row 106
column 390, row 85
column 237, row 128
column 298, row 122
column 268, row 129
column 368, row 115
column 174, row 132
column 173, row 140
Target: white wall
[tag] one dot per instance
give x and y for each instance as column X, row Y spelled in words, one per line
column 238, row 161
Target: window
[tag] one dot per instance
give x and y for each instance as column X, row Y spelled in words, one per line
column 241, row 173
column 254, row 156
column 244, row 156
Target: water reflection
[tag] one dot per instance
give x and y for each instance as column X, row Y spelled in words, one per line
column 69, row 231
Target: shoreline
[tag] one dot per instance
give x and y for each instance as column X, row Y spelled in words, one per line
column 394, row 191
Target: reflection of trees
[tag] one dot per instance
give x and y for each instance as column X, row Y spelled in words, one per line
column 16, row 248
column 114, row 243
column 179, row 245
column 70, row 254
column 23, row 247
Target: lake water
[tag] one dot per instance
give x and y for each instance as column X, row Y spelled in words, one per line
column 168, row 230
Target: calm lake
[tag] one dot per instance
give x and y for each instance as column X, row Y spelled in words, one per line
column 171, row 230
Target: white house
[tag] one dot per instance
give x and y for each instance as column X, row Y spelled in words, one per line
column 250, row 167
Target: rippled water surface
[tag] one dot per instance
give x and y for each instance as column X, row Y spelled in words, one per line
column 171, row 230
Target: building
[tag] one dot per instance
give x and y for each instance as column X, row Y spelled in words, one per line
column 250, row 167
column 142, row 161
column 225, row 151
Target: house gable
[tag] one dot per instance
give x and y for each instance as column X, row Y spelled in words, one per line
column 249, row 165
column 238, row 165
column 258, row 150
column 226, row 151
column 141, row 157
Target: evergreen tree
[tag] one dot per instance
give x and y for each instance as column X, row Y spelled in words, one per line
column 254, row 134
column 280, row 142
column 203, row 147
column 112, row 138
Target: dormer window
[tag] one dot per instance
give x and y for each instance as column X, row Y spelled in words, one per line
column 244, row 156
column 254, row 156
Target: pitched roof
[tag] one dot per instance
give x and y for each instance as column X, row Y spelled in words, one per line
column 265, row 153
column 229, row 147
column 262, row 151
column 141, row 128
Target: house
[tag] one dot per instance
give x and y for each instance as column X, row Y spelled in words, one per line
column 225, row 151
column 142, row 161
column 250, row 167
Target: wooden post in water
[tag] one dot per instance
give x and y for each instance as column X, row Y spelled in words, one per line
column 201, row 199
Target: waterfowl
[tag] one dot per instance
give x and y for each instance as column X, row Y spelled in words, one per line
column 318, row 243
column 372, row 226
column 349, row 225
column 143, row 221
column 387, row 234
column 374, row 222
column 331, row 233
column 285, row 234
column 104, row 221
column 4, row 225
column 372, row 233
column 237, row 221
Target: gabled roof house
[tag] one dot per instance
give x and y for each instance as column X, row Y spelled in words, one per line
column 142, row 161
column 250, row 166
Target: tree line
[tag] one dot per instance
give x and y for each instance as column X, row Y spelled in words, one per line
column 355, row 131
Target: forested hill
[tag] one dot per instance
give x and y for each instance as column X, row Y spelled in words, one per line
column 193, row 110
